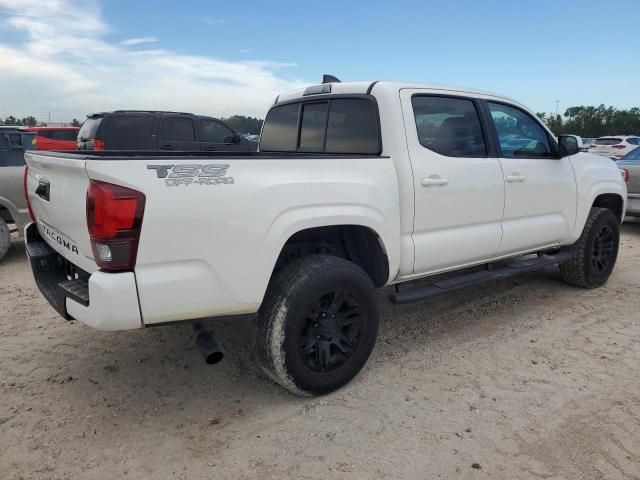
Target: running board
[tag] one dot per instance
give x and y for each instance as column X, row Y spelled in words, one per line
column 492, row 273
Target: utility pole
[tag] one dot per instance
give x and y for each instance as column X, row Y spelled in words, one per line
column 557, row 103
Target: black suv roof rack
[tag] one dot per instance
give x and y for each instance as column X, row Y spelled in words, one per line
column 98, row 114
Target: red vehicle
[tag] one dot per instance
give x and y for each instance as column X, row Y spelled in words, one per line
column 55, row 138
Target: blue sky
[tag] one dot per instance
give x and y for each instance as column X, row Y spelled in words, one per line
column 225, row 57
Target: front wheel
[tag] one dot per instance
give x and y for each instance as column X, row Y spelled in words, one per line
column 5, row 238
column 594, row 255
column 317, row 325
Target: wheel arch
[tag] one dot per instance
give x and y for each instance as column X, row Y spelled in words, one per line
column 357, row 243
column 611, row 201
column 606, row 194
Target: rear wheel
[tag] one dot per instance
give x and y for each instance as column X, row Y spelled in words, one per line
column 594, row 255
column 317, row 325
column 5, row 238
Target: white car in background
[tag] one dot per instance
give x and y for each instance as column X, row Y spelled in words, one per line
column 616, row 146
column 586, row 144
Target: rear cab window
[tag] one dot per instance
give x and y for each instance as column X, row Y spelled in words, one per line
column 333, row 124
column 65, row 135
column 608, row 141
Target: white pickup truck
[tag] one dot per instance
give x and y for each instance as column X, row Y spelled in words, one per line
column 356, row 186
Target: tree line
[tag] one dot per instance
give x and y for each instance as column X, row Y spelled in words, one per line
column 594, row 122
column 30, row 121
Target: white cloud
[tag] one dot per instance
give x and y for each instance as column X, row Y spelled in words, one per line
column 138, row 41
column 65, row 65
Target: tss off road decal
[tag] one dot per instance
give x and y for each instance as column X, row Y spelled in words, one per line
column 193, row 174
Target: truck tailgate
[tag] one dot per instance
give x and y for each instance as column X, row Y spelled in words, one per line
column 57, row 190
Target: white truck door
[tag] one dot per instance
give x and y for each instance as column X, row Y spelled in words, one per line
column 459, row 188
column 540, row 189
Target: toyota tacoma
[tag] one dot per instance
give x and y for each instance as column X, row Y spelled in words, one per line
column 355, row 186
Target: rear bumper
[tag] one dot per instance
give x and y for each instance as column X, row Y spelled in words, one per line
column 105, row 301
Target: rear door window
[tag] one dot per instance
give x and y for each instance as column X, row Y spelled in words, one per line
column 449, row 126
column 608, row 141
column 4, row 142
column 178, row 129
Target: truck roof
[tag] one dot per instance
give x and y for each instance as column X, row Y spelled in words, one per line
column 367, row 87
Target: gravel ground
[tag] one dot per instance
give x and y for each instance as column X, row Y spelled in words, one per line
column 513, row 380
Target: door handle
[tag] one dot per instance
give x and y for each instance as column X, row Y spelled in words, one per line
column 210, row 149
column 434, row 181
column 167, row 147
column 515, row 177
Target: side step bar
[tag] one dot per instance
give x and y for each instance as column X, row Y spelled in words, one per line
column 503, row 271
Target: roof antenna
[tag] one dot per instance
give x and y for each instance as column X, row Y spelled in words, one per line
column 326, row 78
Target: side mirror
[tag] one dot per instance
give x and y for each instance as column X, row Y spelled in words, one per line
column 569, row 145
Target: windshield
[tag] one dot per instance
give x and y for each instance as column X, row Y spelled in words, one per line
column 89, row 128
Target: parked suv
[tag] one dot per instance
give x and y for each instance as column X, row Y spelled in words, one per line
column 13, row 204
column 55, row 138
column 151, row 130
column 614, row 147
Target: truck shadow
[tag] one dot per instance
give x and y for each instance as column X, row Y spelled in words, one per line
column 631, row 226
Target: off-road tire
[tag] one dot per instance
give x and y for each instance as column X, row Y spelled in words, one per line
column 286, row 327
column 580, row 269
column 5, row 238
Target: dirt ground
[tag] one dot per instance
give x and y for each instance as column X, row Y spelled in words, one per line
column 527, row 379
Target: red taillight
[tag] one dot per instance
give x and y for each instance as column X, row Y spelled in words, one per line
column 26, row 193
column 618, row 146
column 625, row 175
column 114, row 218
column 98, row 145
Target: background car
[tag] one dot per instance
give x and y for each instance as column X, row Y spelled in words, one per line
column 586, row 144
column 155, row 130
column 13, row 204
column 616, row 146
column 55, row 138
column 631, row 163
